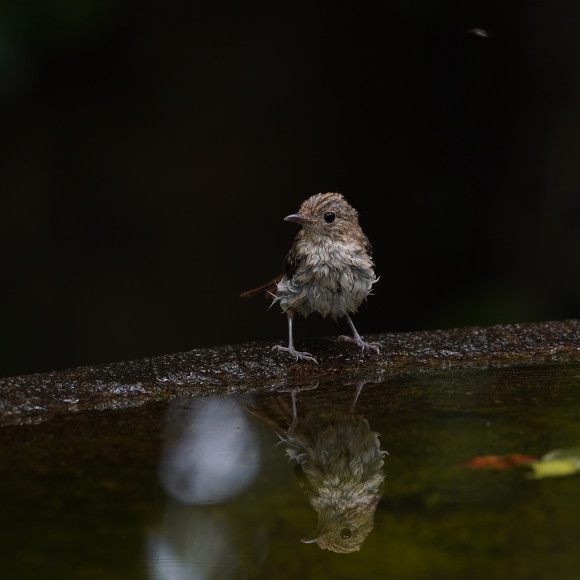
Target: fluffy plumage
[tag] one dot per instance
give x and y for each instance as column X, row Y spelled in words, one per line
column 339, row 464
column 329, row 268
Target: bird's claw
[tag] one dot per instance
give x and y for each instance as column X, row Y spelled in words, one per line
column 360, row 342
column 293, row 352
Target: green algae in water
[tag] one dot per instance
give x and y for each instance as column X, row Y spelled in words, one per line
column 203, row 488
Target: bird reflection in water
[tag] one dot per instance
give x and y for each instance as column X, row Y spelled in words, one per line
column 339, row 464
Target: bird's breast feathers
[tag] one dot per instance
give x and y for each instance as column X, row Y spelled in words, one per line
column 329, row 278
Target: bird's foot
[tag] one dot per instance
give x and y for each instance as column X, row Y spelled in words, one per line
column 293, row 352
column 360, row 342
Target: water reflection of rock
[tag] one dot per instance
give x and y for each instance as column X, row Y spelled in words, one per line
column 210, row 456
column 339, row 464
column 211, row 453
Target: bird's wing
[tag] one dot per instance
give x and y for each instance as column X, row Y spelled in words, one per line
column 367, row 246
column 291, row 262
column 268, row 288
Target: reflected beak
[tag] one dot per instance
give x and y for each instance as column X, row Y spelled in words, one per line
column 298, row 218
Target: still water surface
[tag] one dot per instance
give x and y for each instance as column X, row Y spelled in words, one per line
column 227, row 487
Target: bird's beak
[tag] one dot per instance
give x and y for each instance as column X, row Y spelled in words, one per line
column 298, row 218
column 311, row 538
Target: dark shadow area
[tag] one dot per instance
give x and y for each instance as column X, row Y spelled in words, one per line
column 149, row 153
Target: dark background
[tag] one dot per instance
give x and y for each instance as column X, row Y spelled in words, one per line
column 149, row 151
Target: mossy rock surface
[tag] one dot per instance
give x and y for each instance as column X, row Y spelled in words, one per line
column 256, row 367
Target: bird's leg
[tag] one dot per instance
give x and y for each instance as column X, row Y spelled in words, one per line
column 360, row 384
column 294, row 394
column 290, row 348
column 357, row 339
column 359, row 387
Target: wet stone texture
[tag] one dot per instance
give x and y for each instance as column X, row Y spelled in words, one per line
column 256, row 367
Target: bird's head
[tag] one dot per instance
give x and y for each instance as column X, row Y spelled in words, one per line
column 343, row 534
column 326, row 215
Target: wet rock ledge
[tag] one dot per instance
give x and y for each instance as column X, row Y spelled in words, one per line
column 255, row 367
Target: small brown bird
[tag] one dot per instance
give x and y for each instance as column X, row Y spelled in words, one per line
column 339, row 465
column 329, row 268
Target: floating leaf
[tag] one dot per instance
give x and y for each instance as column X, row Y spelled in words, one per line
column 497, row 461
column 557, row 463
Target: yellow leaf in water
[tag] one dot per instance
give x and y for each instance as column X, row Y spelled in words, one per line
column 557, row 463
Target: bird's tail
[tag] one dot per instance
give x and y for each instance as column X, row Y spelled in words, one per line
column 269, row 288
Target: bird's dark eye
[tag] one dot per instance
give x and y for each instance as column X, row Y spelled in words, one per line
column 345, row 533
column 329, row 217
